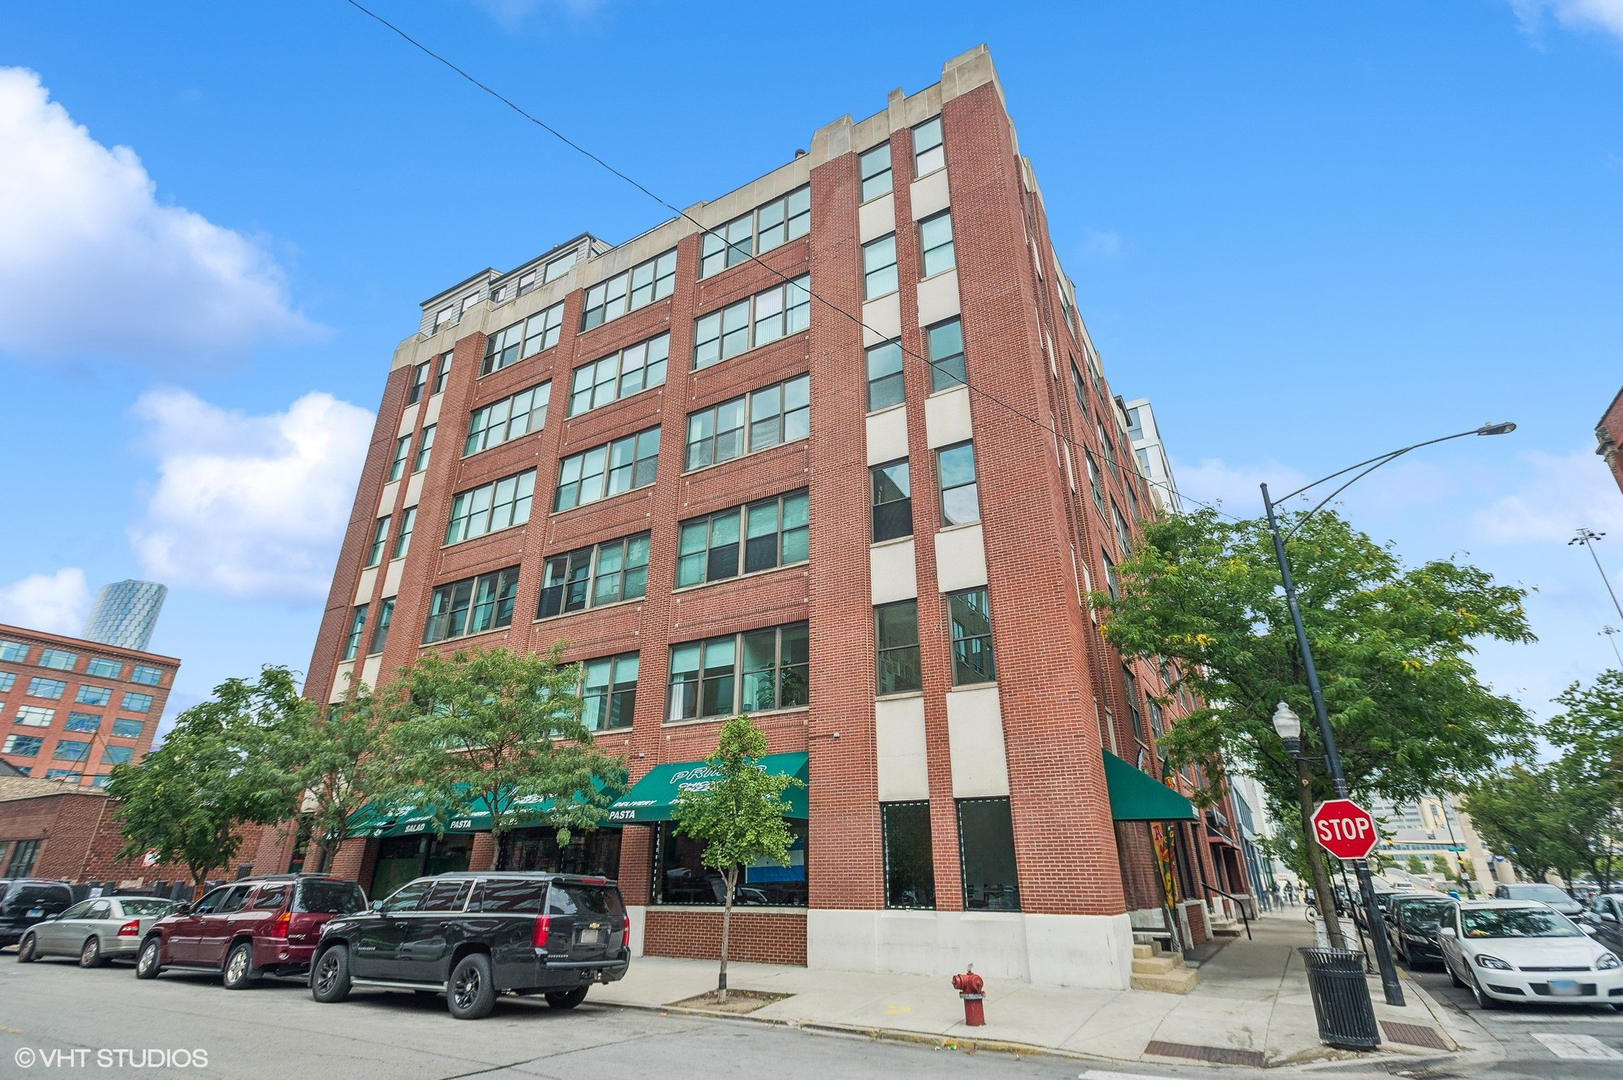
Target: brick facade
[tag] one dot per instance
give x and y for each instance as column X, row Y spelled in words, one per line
column 1609, row 436
column 756, row 936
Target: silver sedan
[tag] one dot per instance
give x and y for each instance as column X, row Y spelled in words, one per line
column 94, row 930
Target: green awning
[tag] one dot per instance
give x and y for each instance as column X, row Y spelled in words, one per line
column 409, row 818
column 1135, row 796
column 654, row 796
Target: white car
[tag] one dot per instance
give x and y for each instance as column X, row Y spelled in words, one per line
column 1522, row 950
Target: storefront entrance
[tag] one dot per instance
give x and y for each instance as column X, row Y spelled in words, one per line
column 402, row 858
column 594, row 852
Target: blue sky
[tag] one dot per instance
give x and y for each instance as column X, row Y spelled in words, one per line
column 1308, row 233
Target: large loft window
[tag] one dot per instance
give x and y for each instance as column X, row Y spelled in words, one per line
column 928, row 155
column 767, row 316
column 604, row 573
column 892, row 501
column 774, row 414
column 472, row 606
column 608, row 692
column 619, row 374
column 743, row 540
column 625, row 292
column 524, row 338
column 619, row 466
column 752, row 672
column 757, row 232
column 500, row 504
column 507, row 419
column 874, row 166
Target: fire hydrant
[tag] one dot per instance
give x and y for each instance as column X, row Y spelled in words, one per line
column 969, row 986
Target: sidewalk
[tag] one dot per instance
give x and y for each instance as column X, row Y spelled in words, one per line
column 1251, row 1007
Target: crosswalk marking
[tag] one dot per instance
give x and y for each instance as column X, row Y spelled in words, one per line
column 1586, row 1047
column 1106, row 1074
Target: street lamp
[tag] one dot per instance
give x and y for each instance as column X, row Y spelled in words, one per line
column 1587, row 538
column 1332, row 757
column 1289, row 728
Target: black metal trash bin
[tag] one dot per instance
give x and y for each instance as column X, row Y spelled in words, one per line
column 1341, row 1001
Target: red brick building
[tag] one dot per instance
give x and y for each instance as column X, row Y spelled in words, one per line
column 744, row 472
column 1609, row 434
column 70, row 709
column 52, row 829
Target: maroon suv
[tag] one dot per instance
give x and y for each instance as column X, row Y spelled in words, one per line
column 259, row 926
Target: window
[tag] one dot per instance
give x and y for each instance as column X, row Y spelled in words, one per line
column 100, row 668
column 419, row 379
column 352, row 639
column 127, row 729
column 960, row 497
column 34, row 716
column 1135, row 713
column 380, row 632
column 892, row 505
column 935, row 240
column 420, row 462
column 750, row 672
column 443, row 373
column 402, row 539
column 589, row 576
column 60, row 659
column 14, row 651
column 1157, row 720
column 22, row 858
column 82, row 721
column 46, row 688
column 22, row 745
column 927, row 153
column 879, row 267
column 944, row 343
column 1111, row 583
column 767, row 316
column 1132, row 500
column 885, row 386
column 602, row 471
column 1110, row 451
column 608, row 692
column 146, row 676
column 397, row 464
column 896, row 640
column 680, row 876
column 93, row 695
column 508, row 419
column 7, row 681
column 1077, row 389
column 773, row 414
column 620, row 374
column 1095, row 482
column 523, row 339
column 491, row 507
column 986, row 853
column 270, row 898
column 70, row 750
column 1124, row 537
column 971, row 637
column 64, row 774
column 874, row 166
column 380, row 535
column 769, row 225
column 642, row 284
column 117, row 755
column 742, row 540
column 909, row 858
column 472, row 606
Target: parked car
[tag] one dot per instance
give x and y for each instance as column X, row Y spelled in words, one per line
column 26, row 901
column 1413, row 926
column 1523, row 950
column 1543, row 892
column 1605, row 915
column 95, row 930
column 472, row 936
column 259, row 926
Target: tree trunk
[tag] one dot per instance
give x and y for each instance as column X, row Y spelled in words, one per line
column 731, row 878
column 1315, row 862
column 495, row 849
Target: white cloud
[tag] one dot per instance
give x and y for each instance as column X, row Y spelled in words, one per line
column 92, row 265
column 1100, row 245
column 1603, row 15
column 55, row 603
column 1236, row 487
column 510, row 14
column 1560, row 493
column 249, row 506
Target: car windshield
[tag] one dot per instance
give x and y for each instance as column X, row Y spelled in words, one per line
column 1422, row 914
column 1516, row 922
column 141, row 908
column 330, row 897
column 1549, row 894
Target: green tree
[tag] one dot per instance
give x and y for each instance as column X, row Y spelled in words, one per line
column 188, row 800
column 1589, row 731
column 1416, row 866
column 330, row 754
column 1439, row 866
column 498, row 731
column 1392, row 646
column 737, row 815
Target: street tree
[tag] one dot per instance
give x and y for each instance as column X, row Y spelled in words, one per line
column 737, row 815
column 1393, row 648
column 330, row 755
column 1439, row 866
column 1416, row 866
column 497, row 731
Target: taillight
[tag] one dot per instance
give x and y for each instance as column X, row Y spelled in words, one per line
column 279, row 927
column 130, row 929
column 543, row 927
column 625, row 935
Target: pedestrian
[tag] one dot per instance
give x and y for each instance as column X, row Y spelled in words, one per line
column 1275, row 890
column 1290, row 893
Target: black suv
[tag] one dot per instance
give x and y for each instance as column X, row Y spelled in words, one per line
column 26, row 901
column 473, row 936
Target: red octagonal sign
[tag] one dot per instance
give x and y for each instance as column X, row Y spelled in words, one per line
column 1344, row 829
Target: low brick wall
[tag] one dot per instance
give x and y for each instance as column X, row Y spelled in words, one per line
column 758, row 936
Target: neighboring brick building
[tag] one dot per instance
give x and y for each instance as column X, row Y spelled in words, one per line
column 1609, row 434
column 730, row 495
column 51, row 829
column 71, row 708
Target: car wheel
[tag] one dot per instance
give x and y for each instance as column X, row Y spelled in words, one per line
column 28, row 951
column 147, row 965
column 471, row 994
column 90, row 956
column 239, row 967
column 1483, row 1001
column 329, row 982
column 567, row 999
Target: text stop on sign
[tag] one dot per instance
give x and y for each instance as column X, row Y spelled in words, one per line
column 1344, row 829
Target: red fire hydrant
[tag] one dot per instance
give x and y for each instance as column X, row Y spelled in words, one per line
column 969, row 986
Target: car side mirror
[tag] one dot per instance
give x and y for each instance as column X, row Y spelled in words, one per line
column 377, row 905
column 183, row 908
column 1446, row 931
column 1586, row 928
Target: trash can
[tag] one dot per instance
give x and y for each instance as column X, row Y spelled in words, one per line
column 1341, row 1000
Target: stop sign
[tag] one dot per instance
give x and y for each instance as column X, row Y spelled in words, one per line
column 1344, row 829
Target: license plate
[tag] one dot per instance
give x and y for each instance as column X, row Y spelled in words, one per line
column 1564, row 988
column 35, row 912
column 594, row 937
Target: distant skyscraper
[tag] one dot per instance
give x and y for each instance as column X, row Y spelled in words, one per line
column 125, row 613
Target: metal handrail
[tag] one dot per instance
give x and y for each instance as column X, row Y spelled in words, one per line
column 1243, row 916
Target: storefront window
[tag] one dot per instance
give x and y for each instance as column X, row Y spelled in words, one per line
column 909, row 860
column 680, row 878
column 401, row 858
column 595, row 851
column 986, row 852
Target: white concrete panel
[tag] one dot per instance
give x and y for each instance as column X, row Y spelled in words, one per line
column 408, row 419
column 946, row 417
column 363, row 587
column 340, row 680
column 386, row 499
column 929, row 194
column 432, row 413
column 904, row 771
column 938, row 298
column 1080, row 950
column 975, row 741
column 637, row 915
column 370, row 670
column 883, row 317
column 841, row 940
column 414, row 488
column 892, row 571
column 391, row 577
column 960, row 558
column 887, row 435
column 876, row 218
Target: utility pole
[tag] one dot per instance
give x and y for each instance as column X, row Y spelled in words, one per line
column 1587, row 538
